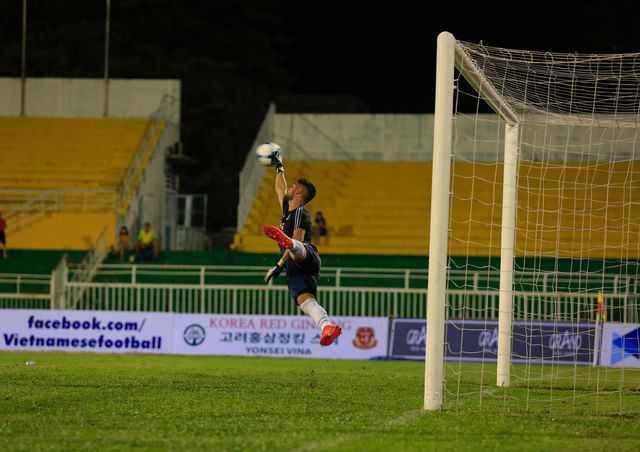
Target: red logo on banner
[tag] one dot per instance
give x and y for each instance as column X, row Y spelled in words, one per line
column 365, row 338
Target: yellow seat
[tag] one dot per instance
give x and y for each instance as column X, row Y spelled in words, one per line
column 85, row 158
column 375, row 207
column 55, row 153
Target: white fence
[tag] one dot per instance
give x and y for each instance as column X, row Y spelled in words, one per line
column 407, row 278
column 345, row 301
column 26, row 291
column 348, row 301
column 343, row 291
column 244, row 299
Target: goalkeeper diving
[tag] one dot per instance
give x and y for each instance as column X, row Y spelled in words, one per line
column 300, row 257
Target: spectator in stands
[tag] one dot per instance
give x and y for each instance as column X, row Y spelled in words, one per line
column 321, row 230
column 147, row 246
column 3, row 237
column 123, row 241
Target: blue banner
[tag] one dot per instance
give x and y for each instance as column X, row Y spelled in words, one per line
column 620, row 345
column 408, row 338
column 477, row 341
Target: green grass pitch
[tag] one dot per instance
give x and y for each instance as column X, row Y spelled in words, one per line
column 142, row 402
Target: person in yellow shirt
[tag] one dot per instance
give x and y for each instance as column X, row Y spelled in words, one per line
column 147, row 246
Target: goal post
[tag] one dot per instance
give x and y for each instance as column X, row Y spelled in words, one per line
column 437, row 284
column 437, row 281
column 507, row 239
column 534, row 230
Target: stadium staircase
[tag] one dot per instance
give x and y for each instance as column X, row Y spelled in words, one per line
column 62, row 181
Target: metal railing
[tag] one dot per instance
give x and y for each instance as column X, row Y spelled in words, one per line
column 243, row 299
column 25, row 301
column 25, row 291
column 351, row 301
column 86, row 270
column 274, row 300
column 168, row 111
column 25, row 282
column 405, row 278
column 344, row 291
column 33, row 204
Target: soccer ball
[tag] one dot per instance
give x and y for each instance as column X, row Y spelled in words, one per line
column 265, row 151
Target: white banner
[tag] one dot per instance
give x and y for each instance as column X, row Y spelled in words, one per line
column 620, row 344
column 278, row 336
column 86, row 331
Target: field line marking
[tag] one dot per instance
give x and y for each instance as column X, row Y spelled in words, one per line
column 404, row 419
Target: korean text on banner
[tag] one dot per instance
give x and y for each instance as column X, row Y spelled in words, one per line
column 278, row 336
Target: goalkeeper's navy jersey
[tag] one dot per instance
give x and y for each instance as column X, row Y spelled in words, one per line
column 296, row 218
column 303, row 275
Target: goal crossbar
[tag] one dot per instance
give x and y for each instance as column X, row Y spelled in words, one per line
column 469, row 69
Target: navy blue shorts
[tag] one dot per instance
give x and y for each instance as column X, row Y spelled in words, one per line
column 303, row 276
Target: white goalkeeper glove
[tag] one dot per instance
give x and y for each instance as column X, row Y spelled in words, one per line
column 272, row 273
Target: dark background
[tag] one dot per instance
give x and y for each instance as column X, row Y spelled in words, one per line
column 234, row 57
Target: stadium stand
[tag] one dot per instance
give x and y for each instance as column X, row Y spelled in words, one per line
column 370, row 207
column 67, row 174
column 378, row 207
column 48, row 153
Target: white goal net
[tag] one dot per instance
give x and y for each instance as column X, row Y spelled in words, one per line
column 535, row 231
